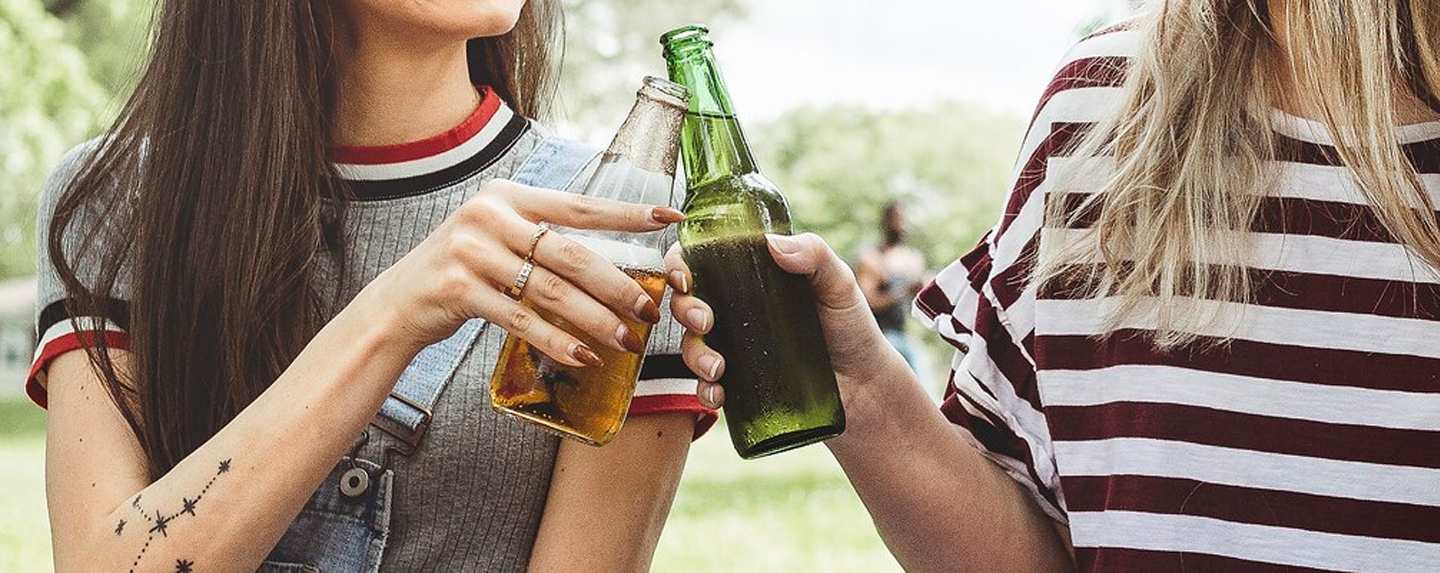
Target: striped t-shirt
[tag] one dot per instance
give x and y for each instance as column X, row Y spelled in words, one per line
column 1310, row 441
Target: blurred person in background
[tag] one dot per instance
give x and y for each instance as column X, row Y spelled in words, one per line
column 1204, row 333
column 298, row 200
column 890, row 275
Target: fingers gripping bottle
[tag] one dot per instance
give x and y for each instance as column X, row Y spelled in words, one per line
column 590, row 404
column 780, row 390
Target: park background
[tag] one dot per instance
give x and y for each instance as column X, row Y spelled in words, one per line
column 848, row 104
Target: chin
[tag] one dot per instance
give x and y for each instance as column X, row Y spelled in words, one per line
column 450, row 19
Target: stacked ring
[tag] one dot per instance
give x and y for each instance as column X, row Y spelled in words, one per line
column 517, row 290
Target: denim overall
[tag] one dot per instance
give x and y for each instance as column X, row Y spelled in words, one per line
column 344, row 526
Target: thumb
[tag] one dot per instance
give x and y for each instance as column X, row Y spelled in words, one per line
column 808, row 254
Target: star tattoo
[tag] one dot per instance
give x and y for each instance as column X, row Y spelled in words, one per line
column 189, row 506
column 225, row 466
column 160, row 523
column 120, row 527
column 183, row 566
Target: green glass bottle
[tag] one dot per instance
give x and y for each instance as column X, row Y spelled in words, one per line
column 780, row 390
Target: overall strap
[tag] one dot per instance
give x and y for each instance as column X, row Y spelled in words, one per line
column 406, row 414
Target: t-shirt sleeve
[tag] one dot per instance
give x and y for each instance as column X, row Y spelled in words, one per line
column 666, row 383
column 991, row 397
column 983, row 304
column 56, row 333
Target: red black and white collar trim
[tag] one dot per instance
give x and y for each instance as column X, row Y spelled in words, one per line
column 418, row 167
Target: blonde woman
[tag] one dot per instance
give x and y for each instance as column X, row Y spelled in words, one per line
column 1205, row 333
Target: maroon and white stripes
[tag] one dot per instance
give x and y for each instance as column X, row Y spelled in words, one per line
column 1308, row 440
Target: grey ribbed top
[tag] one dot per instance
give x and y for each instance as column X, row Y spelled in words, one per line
column 472, row 495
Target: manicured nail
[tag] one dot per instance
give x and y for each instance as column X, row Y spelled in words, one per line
column 586, row 356
column 710, row 395
column 645, row 309
column 711, row 364
column 699, row 319
column 666, row 215
column 677, row 280
column 784, row 243
column 629, row 340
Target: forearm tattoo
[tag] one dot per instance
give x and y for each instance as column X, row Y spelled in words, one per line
column 161, row 523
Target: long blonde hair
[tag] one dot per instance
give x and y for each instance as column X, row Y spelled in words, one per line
column 1191, row 147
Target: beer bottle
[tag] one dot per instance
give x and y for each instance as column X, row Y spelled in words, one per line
column 780, row 390
column 590, row 404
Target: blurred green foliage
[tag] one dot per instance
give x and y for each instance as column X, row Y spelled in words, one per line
column 949, row 165
column 49, row 102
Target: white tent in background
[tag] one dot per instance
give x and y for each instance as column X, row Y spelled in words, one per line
column 17, row 332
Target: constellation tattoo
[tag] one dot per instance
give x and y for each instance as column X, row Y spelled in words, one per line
column 160, row 523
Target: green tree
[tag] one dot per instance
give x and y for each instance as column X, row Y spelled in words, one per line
column 113, row 34
column 949, row 164
column 50, row 102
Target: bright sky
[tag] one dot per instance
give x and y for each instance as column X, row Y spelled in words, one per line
column 895, row 53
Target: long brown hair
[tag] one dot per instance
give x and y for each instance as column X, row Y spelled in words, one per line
column 216, row 174
column 1182, row 163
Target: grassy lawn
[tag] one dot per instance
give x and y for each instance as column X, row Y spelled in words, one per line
column 792, row 512
column 24, row 533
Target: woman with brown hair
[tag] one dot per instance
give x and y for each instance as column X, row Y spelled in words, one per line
column 1205, row 332
column 312, row 216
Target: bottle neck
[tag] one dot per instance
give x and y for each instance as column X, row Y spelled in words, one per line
column 712, row 144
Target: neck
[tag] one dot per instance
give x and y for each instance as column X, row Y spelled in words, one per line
column 391, row 91
column 1291, row 82
column 1299, row 99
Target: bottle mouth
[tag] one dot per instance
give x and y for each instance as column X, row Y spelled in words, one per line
column 679, row 95
column 689, row 36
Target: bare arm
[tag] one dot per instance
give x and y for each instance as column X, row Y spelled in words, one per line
column 938, row 504
column 225, row 505
column 608, row 505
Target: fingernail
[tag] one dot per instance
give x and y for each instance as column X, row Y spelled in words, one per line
column 645, row 309
column 677, row 280
column 586, row 356
column 710, row 396
column 784, row 243
column 629, row 340
column 698, row 319
column 711, row 364
column 666, row 215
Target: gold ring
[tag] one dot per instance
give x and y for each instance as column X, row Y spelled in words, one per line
column 517, row 290
column 535, row 240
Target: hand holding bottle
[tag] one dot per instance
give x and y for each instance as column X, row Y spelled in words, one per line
column 460, row 272
column 858, row 350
